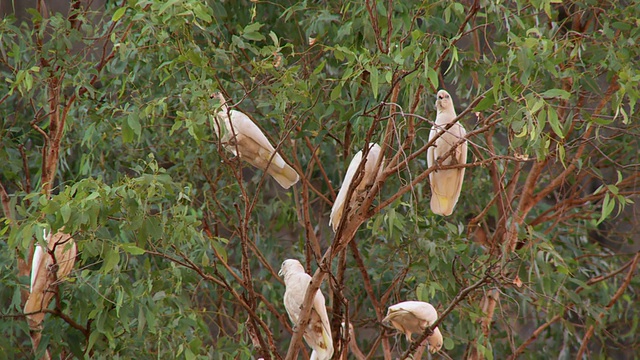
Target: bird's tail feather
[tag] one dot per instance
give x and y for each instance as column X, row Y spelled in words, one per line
column 320, row 353
column 285, row 176
column 441, row 205
column 445, row 190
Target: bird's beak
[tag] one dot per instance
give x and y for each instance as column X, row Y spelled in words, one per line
column 281, row 272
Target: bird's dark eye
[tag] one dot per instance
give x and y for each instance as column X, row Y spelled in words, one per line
column 440, row 97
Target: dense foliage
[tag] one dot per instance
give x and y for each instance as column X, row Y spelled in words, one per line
column 107, row 131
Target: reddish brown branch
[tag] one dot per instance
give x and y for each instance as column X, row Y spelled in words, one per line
column 614, row 299
column 369, row 290
column 6, row 203
column 533, row 337
column 373, row 16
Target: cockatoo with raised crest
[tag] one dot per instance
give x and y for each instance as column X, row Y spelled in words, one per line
column 242, row 137
column 413, row 317
column 318, row 333
column 446, row 184
column 46, row 269
column 369, row 177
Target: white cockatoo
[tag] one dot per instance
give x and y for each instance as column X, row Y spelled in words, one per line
column 369, row 177
column 318, row 333
column 413, row 317
column 446, row 184
column 43, row 268
column 242, row 137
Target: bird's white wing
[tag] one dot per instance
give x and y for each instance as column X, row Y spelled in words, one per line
column 411, row 317
column 370, row 173
column 431, row 151
column 244, row 126
column 321, row 309
column 296, row 287
column 36, row 262
column 368, row 178
column 461, row 158
column 65, row 251
column 421, row 309
column 446, row 184
column 245, row 139
column 338, row 205
column 318, row 334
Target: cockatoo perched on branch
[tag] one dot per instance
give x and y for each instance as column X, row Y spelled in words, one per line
column 413, row 317
column 242, row 137
column 47, row 270
column 446, row 184
column 370, row 175
column 318, row 333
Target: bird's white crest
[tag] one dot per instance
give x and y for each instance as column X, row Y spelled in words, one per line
column 411, row 317
column 318, row 332
column 243, row 138
column 446, row 184
column 368, row 178
column 42, row 266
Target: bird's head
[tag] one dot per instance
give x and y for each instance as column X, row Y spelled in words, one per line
column 435, row 341
column 218, row 95
column 290, row 265
column 443, row 102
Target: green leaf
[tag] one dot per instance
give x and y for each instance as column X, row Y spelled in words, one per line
column 65, row 211
column 608, row 204
column 448, row 343
column 554, row 93
column 132, row 249
column 134, row 122
column 250, row 32
column 552, row 116
column 202, row 14
column 217, row 246
column 118, row 14
column 127, row 133
column 111, row 259
column 253, row 36
column 335, row 93
column 373, row 71
column 167, row 5
column 485, row 103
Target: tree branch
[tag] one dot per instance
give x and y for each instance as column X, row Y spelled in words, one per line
column 616, row 296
